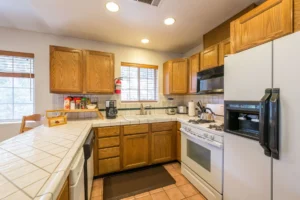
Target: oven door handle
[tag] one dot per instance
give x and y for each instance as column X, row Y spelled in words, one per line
column 213, row 143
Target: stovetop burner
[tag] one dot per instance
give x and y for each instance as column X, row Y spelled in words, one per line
column 200, row 121
column 216, row 127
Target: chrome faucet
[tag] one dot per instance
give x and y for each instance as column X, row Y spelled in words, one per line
column 149, row 112
column 143, row 110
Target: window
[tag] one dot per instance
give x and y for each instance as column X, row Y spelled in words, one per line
column 139, row 82
column 16, row 85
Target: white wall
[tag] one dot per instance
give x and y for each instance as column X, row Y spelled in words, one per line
column 193, row 51
column 38, row 43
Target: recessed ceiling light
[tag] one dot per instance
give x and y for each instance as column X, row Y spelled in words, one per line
column 145, row 41
column 113, row 7
column 169, row 21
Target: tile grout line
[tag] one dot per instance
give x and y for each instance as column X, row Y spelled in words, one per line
column 39, row 168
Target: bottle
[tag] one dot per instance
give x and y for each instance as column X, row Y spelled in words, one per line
column 77, row 102
column 67, row 101
column 72, row 105
column 83, row 103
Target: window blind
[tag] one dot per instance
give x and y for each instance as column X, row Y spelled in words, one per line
column 16, row 85
column 139, row 82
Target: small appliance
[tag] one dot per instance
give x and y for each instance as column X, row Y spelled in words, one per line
column 182, row 110
column 170, row 109
column 211, row 81
column 111, row 109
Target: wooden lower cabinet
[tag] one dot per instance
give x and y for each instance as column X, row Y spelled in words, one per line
column 109, row 165
column 178, row 142
column 64, row 192
column 162, row 146
column 127, row 147
column 135, row 151
column 108, row 152
column 178, row 146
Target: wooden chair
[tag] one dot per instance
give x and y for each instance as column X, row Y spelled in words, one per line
column 29, row 118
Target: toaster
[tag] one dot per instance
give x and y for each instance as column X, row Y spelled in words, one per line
column 182, row 110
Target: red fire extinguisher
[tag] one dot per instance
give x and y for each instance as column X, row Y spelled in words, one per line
column 118, row 85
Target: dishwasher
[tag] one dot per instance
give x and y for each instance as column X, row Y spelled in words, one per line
column 77, row 177
column 89, row 164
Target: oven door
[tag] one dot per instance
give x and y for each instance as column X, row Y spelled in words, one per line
column 205, row 158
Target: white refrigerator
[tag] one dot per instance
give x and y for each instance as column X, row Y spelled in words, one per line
column 248, row 173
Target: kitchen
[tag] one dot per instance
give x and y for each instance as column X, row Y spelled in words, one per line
column 241, row 154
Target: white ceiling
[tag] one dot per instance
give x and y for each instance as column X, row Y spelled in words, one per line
column 89, row 19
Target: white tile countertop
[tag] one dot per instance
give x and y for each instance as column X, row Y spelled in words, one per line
column 35, row 165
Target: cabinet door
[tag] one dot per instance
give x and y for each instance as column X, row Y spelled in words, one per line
column 270, row 20
column 167, row 79
column 64, row 193
column 99, row 72
column 161, row 148
column 194, row 66
column 178, row 146
column 179, row 76
column 66, row 67
column 135, row 151
column 224, row 49
column 296, row 15
column 210, row 57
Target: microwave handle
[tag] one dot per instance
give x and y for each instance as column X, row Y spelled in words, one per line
column 274, row 123
column 263, row 124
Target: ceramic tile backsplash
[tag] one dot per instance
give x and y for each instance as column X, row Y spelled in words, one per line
column 206, row 99
column 58, row 100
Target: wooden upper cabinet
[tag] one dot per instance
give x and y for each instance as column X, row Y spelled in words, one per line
column 270, row 20
column 194, row 67
column 135, row 151
column 162, row 146
column 296, row 15
column 99, row 72
column 224, row 49
column 176, row 76
column 80, row 71
column 66, row 67
column 210, row 57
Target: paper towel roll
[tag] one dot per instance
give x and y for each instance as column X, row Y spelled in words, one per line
column 191, row 109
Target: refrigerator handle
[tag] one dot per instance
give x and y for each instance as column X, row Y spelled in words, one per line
column 274, row 123
column 263, row 124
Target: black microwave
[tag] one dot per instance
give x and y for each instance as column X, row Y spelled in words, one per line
column 211, row 81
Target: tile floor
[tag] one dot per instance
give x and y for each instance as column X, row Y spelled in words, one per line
column 183, row 189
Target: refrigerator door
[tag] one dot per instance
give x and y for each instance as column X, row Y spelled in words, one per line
column 248, row 74
column 286, row 170
column 247, row 171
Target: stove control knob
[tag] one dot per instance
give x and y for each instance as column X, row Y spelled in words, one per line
column 205, row 135
column 212, row 137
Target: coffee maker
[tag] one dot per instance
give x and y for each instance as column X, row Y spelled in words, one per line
column 111, row 109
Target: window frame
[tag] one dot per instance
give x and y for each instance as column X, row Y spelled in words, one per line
column 146, row 66
column 29, row 75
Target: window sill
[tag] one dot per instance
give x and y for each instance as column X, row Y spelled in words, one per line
column 10, row 122
column 139, row 101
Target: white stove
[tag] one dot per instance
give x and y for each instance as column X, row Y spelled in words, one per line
column 208, row 136
column 202, row 156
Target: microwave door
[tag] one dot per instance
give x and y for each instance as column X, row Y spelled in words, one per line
column 263, row 124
